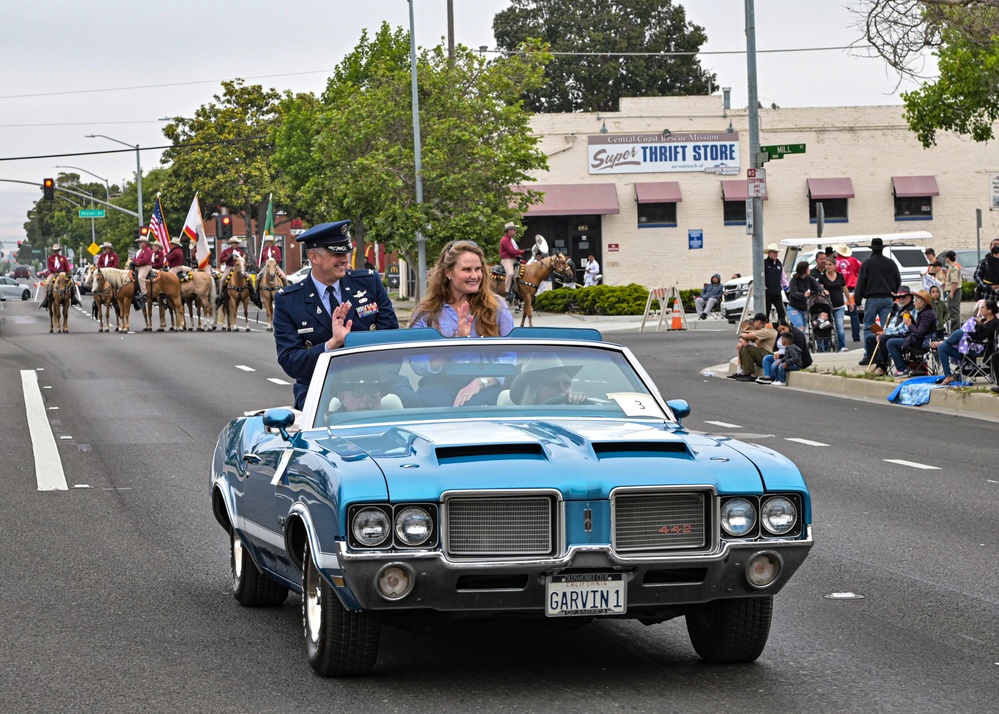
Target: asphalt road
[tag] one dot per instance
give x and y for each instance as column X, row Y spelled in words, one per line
column 116, row 591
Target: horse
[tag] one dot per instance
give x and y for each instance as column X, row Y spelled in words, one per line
column 104, row 298
column 164, row 285
column 237, row 292
column 529, row 277
column 198, row 294
column 123, row 290
column 270, row 279
column 62, row 297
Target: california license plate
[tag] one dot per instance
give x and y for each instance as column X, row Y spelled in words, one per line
column 581, row 594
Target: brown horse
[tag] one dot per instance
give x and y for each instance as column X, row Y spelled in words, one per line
column 62, row 296
column 164, row 290
column 237, row 292
column 529, row 277
column 198, row 294
column 123, row 287
column 271, row 278
column 104, row 299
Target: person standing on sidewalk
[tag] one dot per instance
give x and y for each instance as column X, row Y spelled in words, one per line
column 879, row 279
column 849, row 268
column 952, row 289
column 774, row 281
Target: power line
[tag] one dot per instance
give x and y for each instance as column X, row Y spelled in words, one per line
column 683, row 54
column 79, row 123
column 128, row 151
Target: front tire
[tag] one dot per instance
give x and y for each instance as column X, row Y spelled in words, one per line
column 731, row 631
column 339, row 643
column 250, row 587
column 26, row 295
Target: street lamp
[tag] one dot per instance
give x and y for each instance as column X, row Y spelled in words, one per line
column 107, row 184
column 138, row 166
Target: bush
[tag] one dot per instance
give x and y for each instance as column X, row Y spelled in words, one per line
column 597, row 300
column 967, row 291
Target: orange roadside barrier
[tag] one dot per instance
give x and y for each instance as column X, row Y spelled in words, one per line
column 677, row 317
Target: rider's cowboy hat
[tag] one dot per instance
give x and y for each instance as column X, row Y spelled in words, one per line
column 56, row 246
column 235, row 240
column 106, row 244
column 510, row 225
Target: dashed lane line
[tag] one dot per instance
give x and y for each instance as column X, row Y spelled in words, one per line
column 806, row 442
column 48, row 464
column 278, row 381
column 913, row 464
column 245, row 368
column 723, row 424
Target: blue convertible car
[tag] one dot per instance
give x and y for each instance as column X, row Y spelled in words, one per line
column 538, row 475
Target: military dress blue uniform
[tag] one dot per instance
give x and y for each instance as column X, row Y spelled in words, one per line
column 302, row 326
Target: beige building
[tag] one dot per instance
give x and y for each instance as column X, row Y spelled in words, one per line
column 642, row 187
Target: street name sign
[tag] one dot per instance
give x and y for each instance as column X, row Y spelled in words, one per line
column 777, row 151
column 91, row 213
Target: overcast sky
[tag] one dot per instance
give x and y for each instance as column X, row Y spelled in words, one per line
column 74, row 68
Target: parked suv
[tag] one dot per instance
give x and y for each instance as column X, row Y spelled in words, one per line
column 21, row 272
column 906, row 249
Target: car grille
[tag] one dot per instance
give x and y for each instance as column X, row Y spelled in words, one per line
column 500, row 526
column 660, row 521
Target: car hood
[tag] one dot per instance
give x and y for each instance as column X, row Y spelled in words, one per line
column 583, row 459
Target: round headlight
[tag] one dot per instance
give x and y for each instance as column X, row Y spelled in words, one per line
column 370, row 527
column 413, row 526
column 738, row 517
column 778, row 515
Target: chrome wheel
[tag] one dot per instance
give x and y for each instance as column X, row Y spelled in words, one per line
column 313, row 603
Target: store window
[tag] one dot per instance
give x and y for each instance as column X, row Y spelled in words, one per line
column 735, row 213
column 657, row 215
column 834, row 210
column 914, row 208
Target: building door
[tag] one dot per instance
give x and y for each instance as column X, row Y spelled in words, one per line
column 584, row 240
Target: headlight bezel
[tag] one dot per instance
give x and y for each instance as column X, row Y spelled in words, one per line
column 352, row 529
column 791, row 530
column 391, row 512
column 412, row 510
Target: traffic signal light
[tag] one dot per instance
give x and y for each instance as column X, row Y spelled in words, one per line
column 223, row 226
column 140, row 232
column 48, row 189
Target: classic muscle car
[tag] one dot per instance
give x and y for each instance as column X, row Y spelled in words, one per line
column 561, row 486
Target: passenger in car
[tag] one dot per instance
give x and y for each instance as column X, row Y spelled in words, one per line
column 545, row 379
column 362, row 389
column 459, row 304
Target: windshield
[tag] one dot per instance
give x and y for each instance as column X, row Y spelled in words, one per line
column 909, row 257
column 478, row 378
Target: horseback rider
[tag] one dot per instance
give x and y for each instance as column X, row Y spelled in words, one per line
column 175, row 259
column 107, row 257
column 227, row 259
column 266, row 253
column 142, row 264
column 510, row 256
column 57, row 263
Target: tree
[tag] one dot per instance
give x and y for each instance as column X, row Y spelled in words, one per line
column 350, row 153
column 964, row 96
column 222, row 153
column 588, row 82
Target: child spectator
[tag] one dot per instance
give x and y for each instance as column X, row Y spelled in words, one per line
column 788, row 362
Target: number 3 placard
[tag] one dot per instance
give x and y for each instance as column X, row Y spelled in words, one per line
column 636, row 404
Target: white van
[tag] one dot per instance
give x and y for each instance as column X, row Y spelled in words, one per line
column 906, row 249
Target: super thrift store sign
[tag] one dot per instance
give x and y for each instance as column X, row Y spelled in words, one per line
column 662, row 153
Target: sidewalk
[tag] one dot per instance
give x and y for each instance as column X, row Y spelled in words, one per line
column 840, row 374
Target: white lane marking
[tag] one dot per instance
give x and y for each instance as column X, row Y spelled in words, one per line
column 48, row 386
column 245, row 368
column 913, row 464
column 66, row 437
column 53, row 409
column 806, row 442
column 724, row 424
column 48, row 464
column 278, row 381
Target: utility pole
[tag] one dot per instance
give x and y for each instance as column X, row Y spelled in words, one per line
column 450, row 30
column 421, row 241
column 759, row 290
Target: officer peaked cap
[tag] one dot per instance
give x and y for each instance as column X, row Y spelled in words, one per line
column 333, row 236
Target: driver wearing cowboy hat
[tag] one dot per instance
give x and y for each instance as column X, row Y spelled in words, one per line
column 545, row 379
column 107, row 258
column 57, row 263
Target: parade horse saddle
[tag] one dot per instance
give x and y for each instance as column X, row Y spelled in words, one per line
column 498, row 271
column 186, row 276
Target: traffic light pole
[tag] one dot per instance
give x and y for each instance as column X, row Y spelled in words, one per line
column 77, row 193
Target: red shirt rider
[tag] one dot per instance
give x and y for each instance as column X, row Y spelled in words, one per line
column 175, row 258
column 225, row 258
column 507, row 251
column 57, row 262
column 270, row 251
column 159, row 260
column 107, row 258
column 144, row 256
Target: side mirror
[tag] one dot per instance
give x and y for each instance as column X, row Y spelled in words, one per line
column 679, row 407
column 280, row 418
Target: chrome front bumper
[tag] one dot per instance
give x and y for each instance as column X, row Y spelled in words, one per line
column 654, row 584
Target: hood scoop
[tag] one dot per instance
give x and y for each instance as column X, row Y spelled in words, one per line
column 613, row 449
column 489, row 452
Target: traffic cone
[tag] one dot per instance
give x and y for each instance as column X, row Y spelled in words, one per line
column 677, row 317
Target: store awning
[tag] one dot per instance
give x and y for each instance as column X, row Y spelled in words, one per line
column 819, row 188
column 737, row 190
column 914, row 186
column 575, row 199
column 658, row 192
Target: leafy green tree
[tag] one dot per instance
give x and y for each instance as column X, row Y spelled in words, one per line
column 593, row 82
column 964, row 35
column 222, row 153
column 350, row 152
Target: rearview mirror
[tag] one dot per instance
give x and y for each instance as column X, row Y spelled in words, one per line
column 680, row 408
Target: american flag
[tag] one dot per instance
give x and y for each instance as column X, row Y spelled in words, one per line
column 158, row 226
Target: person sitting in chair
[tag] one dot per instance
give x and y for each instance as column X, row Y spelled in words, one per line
column 710, row 296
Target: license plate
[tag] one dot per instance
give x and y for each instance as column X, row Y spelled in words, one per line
column 582, row 594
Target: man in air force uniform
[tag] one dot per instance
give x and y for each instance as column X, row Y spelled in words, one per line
column 314, row 315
